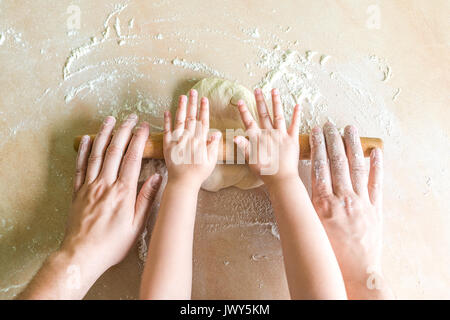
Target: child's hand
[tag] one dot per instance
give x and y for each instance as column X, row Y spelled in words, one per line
column 271, row 151
column 348, row 201
column 190, row 156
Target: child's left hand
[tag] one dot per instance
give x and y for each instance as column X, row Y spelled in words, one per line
column 190, row 156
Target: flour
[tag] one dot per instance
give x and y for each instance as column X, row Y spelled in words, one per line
column 14, row 35
column 77, row 53
column 323, row 59
column 12, row 287
column 394, row 97
column 382, row 66
column 197, row 66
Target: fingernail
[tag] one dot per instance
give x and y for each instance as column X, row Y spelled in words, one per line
column 240, row 102
column 109, row 120
column 132, row 116
column 315, row 130
column 351, row 129
column 376, row 153
column 193, row 92
column 315, row 138
column 183, row 98
column 257, row 90
column 156, row 180
column 275, row 91
column 144, row 124
column 85, row 139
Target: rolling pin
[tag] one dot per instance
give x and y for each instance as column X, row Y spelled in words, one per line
column 154, row 146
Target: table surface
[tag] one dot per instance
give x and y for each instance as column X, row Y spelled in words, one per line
column 382, row 67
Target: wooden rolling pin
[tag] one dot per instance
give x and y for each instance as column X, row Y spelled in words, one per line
column 154, row 146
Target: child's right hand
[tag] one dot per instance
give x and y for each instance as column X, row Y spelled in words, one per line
column 278, row 148
column 348, row 200
column 189, row 154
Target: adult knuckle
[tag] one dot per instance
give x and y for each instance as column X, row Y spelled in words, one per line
column 79, row 170
column 359, row 169
column 114, row 150
column 122, row 186
column 131, row 156
column 95, row 158
column 321, row 200
column 149, row 194
column 337, row 159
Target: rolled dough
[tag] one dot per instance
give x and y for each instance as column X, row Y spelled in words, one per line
column 223, row 96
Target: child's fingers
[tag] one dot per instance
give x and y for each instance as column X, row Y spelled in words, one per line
column 145, row 199
column 98, row 149
column 180, row 116
column 340, row 176
column 167, row 128
column 203, row 117
column 278, row 115
column 81, row 163
column 263, row 113
column 355, row 156
column 320, row 171
column 243, row 145
column 294, row 127
column 376, row 177
column 247, row 119
column 213, row 146
column 191, row 116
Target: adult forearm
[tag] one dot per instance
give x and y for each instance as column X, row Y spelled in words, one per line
column 311, row 266
column 168, row 269
column 368, row 286
column 63, row 276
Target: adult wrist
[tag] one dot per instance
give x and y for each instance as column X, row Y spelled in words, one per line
column 369, row 285
column 78, row 261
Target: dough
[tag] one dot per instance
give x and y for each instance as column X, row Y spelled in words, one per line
column 223, row 96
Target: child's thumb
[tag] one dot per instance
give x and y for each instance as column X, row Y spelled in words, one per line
column 213, row 145
column 243, row 145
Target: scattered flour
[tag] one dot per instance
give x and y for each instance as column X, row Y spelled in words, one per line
column 382, row 66
column 197, row 66
column 397, row 92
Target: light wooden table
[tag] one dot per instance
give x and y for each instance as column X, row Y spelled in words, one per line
column 236, row 254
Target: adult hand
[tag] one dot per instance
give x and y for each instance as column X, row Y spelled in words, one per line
column 348, row 200
column 106, row 216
